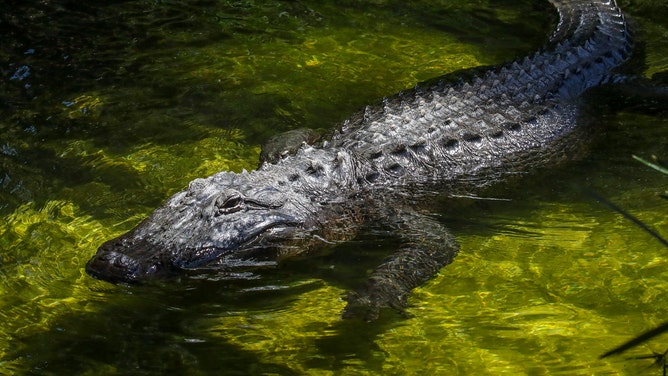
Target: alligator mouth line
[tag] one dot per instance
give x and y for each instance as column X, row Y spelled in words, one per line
column 207, row 256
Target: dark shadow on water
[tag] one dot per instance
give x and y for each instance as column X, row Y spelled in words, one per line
column 133, row 337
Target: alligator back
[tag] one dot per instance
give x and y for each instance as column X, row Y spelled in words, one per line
column 507, row 119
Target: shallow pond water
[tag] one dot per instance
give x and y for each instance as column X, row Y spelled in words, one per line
column 108, row 109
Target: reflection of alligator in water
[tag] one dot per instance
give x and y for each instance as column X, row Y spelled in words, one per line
column 382, row 165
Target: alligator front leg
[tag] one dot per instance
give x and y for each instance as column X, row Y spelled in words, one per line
column 428, row 247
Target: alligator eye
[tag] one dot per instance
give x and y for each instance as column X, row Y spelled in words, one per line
column 229, row 202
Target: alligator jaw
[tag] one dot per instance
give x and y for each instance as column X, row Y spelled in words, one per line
column 112, row 264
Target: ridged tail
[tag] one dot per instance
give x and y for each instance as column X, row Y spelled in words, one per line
column 595, row 31
column 579, row 19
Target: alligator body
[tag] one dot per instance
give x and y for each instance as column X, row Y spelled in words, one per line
column 382, row 165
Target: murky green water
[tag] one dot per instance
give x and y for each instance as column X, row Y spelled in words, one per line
column 106, row 110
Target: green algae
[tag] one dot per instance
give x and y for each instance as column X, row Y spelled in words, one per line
column 544, row 284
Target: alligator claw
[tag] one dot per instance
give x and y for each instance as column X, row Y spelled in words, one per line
column 367, row 302
column 358, row 307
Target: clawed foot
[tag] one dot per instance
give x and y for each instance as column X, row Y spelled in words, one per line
column 366, row 302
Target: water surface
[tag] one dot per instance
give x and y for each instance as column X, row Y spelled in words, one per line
column 108, row 109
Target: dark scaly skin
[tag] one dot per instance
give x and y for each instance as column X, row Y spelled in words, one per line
column 379, row 165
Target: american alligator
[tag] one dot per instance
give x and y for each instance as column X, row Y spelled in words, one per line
column 384, row 164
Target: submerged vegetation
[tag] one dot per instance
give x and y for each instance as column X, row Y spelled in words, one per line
column 106, row 110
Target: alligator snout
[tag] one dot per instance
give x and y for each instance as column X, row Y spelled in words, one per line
column 116, row 267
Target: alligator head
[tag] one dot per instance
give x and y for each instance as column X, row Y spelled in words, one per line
column 224, row 221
